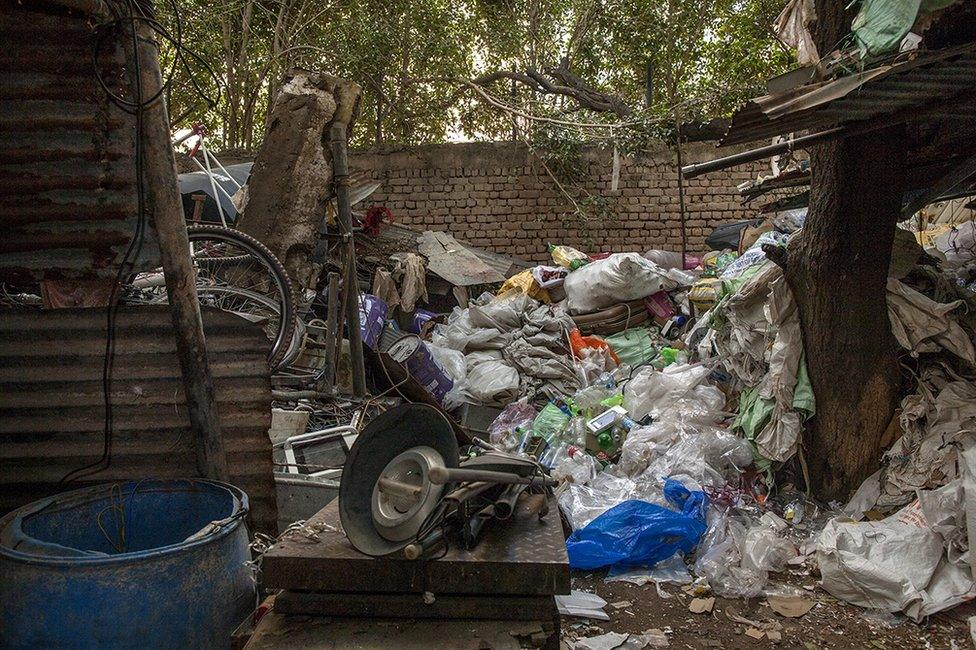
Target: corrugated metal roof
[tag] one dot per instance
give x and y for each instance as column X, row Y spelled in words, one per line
column 924, row 79
column 67, row 156
column 51, row 401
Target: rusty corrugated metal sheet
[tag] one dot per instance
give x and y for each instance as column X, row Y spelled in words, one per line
column 927, row 79
column 51, row 401
column 68, row 201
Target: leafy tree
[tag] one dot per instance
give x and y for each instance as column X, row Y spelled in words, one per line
column 434, row 70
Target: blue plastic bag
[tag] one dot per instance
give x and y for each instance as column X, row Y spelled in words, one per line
column 640, row 533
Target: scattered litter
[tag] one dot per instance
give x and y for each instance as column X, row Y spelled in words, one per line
column 656, row 638
column 582, row 605
column 755, row 633
column 608, row 641
column 701, row 605
column 623, row 604
column 789, row 606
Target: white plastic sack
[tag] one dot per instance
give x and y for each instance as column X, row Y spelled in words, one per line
column 452, row 361
column 923, row 325
column 621, row 277
column 492, row 382
column 900, row 563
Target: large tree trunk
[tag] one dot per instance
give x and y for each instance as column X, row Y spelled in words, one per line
column 837, row 268
column 291, row 180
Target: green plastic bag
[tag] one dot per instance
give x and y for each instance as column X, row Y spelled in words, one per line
column 881, row 25
column 550, row 422
column 633, row 346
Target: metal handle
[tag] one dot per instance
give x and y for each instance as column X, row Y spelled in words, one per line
column 445, row 475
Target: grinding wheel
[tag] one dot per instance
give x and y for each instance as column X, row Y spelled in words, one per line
column 399, row 447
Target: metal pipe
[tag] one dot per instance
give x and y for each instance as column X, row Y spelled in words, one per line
column 416, row 550
column 505, row 503
column 697, row 169
column 340, row 167
column 332, row 334
column 213, row 184
column 445, row 475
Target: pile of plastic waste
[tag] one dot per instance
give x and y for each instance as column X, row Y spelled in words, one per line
column 670, row 436
column 669, row 397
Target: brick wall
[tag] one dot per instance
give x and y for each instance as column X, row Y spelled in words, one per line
column 498, row 197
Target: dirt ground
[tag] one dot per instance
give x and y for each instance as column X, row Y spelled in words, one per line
column 829, row 624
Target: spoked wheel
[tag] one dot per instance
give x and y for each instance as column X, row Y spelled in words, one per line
column 235, row 273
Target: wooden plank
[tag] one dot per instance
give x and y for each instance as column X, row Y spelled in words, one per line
column 163, row 194
column 451, row 260
column 279, row 630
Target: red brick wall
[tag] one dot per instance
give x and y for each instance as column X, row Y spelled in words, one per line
column 498, row 197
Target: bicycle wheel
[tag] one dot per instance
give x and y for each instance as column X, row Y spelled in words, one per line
column 235, row 273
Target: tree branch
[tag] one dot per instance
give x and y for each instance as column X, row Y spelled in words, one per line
column 560, row 81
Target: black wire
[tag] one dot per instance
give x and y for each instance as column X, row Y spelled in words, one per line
column 134, row 14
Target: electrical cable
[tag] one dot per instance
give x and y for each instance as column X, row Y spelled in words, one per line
column 134, row 13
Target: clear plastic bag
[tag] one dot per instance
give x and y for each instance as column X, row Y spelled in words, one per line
column 654, row 392
column 672, row 570
column 712, row 458
column 581, row 503
column 719, row 556
column 576, row 466
column 764, row 550
column 517, row 415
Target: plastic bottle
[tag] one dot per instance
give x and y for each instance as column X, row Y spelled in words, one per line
column 575, row 432
column 576, row 466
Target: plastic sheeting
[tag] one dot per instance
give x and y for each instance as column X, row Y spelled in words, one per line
column 792, row 27
column 881, row 25
column 939, row 424
column 921, row 324
column 640, row 533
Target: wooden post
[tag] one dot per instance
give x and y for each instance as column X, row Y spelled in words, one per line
column 332, row 334
column 163, row 198
column 340, row 172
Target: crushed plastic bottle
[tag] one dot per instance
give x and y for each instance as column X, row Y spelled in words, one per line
column 576, row 466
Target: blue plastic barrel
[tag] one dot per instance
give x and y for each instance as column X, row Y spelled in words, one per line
column 146, row 564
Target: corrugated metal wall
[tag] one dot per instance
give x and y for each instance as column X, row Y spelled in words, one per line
column 67, row 156
column 52, row 413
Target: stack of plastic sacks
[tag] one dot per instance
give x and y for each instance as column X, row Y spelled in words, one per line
column 513, row 347
column 756, row 333
column 917, row 559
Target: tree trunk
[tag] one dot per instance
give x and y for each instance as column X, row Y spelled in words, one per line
column 291, row 180
column 837, row 268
